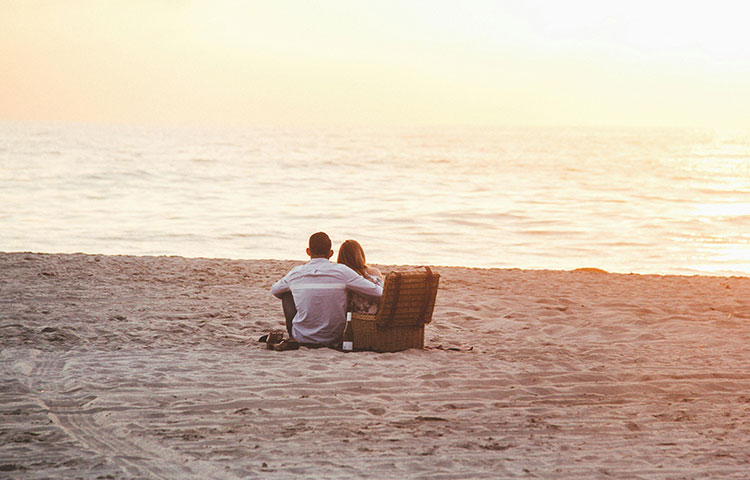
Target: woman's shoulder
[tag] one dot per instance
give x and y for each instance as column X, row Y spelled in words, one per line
column 376, row 279
column 374, row 272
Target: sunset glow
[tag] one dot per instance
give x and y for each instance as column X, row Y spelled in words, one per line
column 392, row 62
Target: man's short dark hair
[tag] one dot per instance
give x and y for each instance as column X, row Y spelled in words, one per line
column 320, row 244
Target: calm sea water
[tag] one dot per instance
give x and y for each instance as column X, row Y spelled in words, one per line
column 627, row 200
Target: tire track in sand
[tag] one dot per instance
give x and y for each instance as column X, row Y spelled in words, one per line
column 137, row 456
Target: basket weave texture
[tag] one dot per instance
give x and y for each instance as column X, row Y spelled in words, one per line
column 406, row 306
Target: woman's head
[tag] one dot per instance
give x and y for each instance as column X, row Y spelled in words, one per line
column 352, row 255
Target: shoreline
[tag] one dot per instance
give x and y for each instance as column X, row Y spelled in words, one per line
column 139, row 366
column 585, row 269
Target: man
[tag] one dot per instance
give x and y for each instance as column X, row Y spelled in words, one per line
column 314, row 295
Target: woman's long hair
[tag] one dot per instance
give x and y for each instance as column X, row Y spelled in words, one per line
column 352, row 255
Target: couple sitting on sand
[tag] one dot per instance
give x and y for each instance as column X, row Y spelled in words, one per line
column 316, row 296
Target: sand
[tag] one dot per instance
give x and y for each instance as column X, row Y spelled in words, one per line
column 120, row 367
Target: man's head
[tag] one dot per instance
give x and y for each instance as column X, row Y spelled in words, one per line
column 320, row 246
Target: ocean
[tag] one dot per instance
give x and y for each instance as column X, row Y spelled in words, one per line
column 666, row 201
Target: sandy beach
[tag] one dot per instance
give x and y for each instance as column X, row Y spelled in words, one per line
column 121, row 367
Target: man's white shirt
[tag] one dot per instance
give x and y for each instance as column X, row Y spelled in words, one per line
column 320, row 289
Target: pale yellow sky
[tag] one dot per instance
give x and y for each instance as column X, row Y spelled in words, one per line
column 384, row 62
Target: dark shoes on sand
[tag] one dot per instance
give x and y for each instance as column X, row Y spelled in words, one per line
column 286, row 344
column 275, row 341
column 274, row 337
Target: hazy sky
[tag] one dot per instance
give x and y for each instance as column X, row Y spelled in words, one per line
column 399, row 62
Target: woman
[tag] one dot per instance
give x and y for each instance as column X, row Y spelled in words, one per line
column 352, row 255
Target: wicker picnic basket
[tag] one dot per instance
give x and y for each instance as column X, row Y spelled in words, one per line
column 406, row 306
